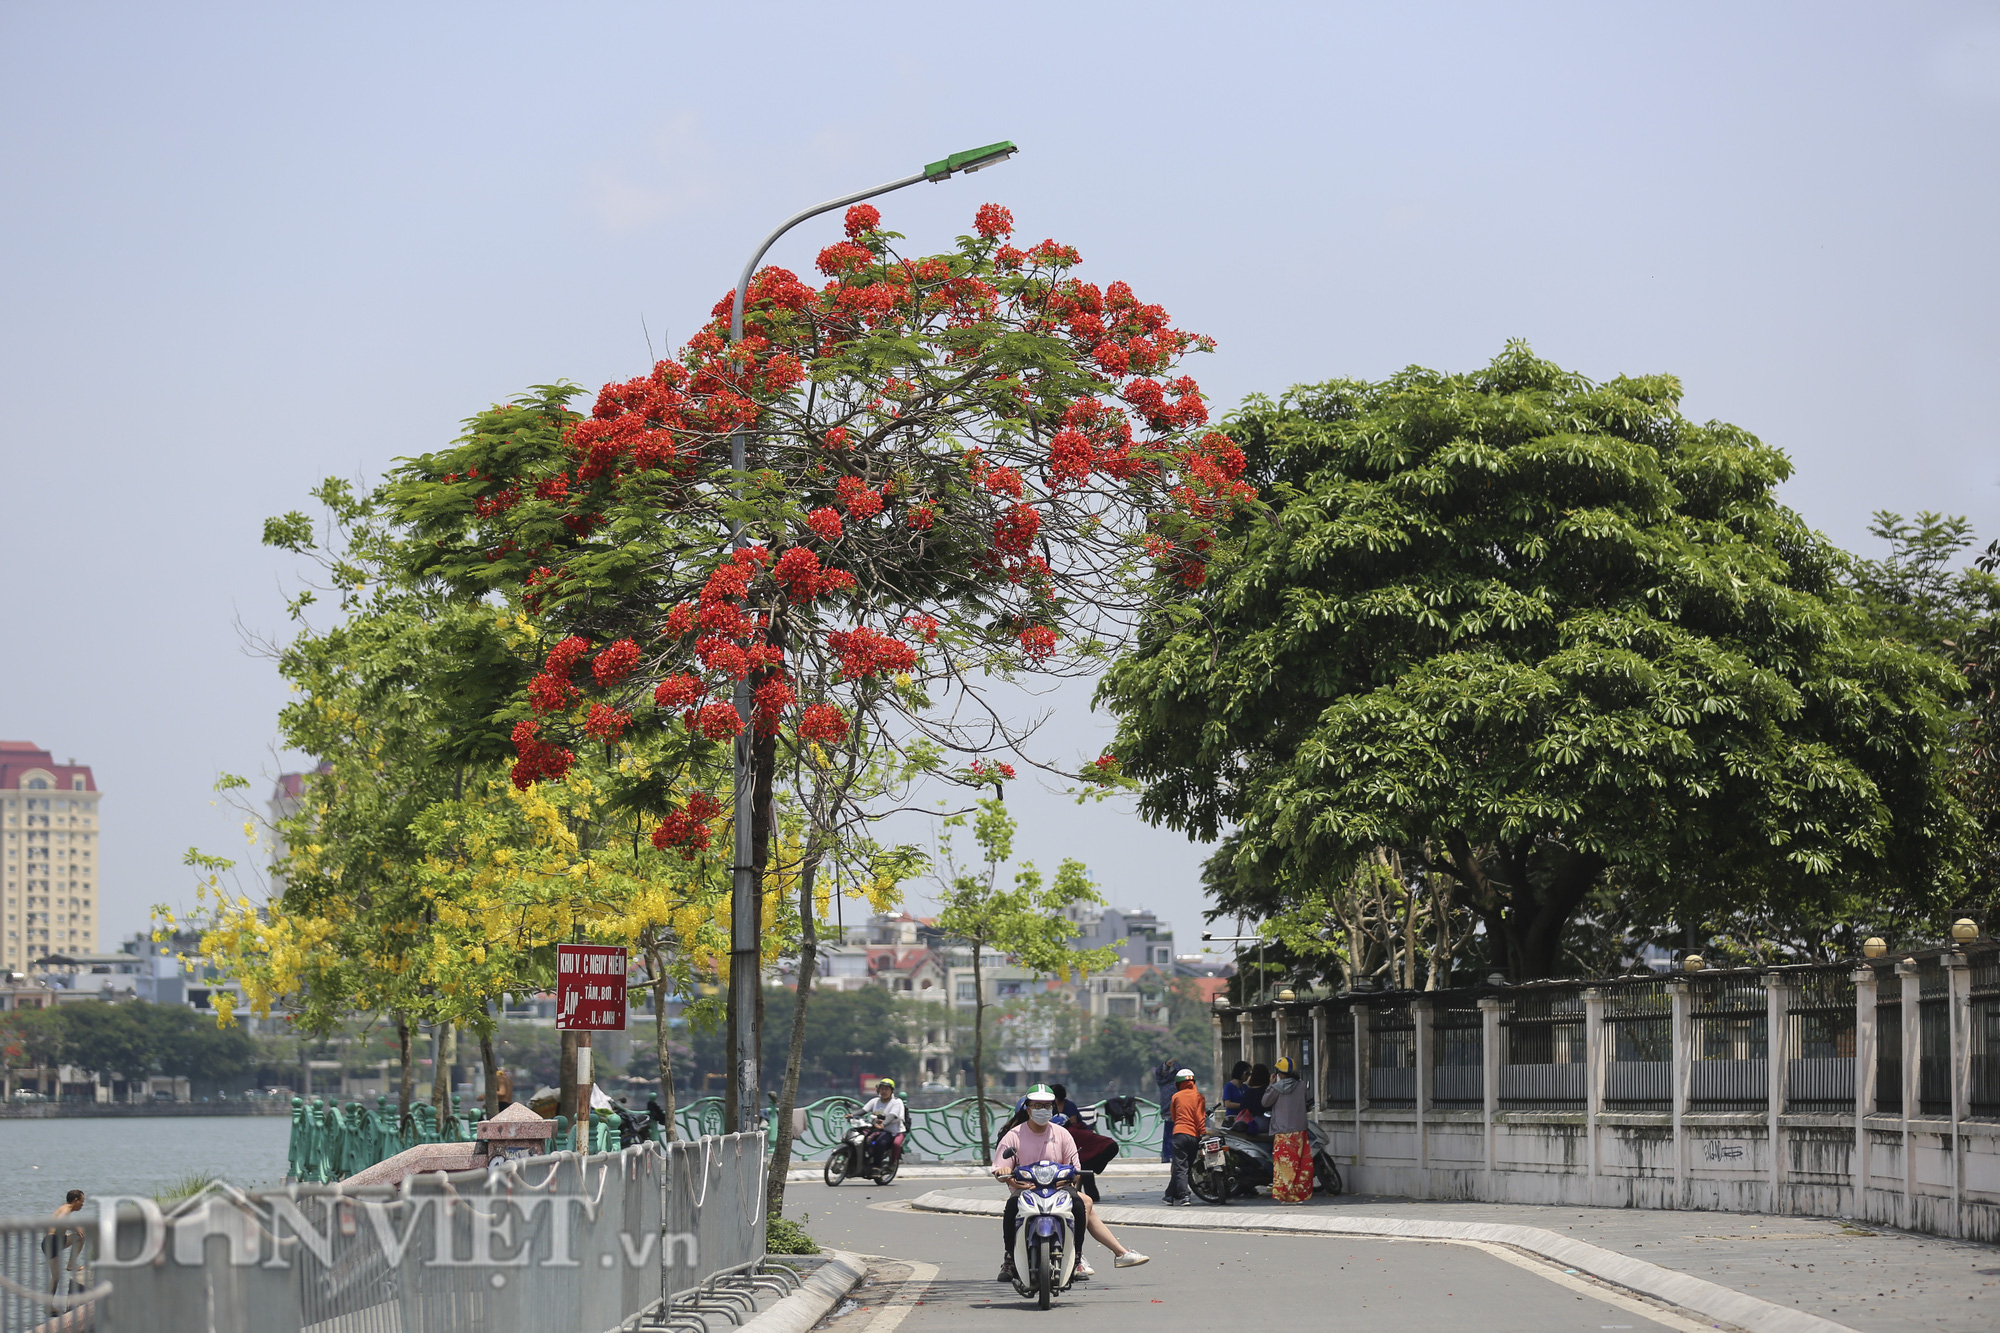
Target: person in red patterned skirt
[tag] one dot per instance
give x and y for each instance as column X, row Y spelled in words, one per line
column 1291, row 1150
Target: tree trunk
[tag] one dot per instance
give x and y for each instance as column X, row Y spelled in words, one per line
column 979, row 1054
column 662, row 1043
column 444, row 1053
column 406, row 1083
column 491, row 1065
column 781, row 1156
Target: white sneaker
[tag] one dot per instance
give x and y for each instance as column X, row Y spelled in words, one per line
column 1129, row 1259
column 1083, row 1268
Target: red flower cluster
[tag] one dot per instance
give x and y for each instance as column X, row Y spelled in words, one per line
column 605, row 723
column 860, row 503
column 996, row 773
column 686, row 827
column 837, row 438
column 615, row 663
column 865, row 652
column 804, row 579
column 824, row 724
column 826, row 522
column 843, row 257
column 1038, row 643
column 924, row 626
column 538, row 759
column 1014, row 531
column 715, row 722
column 680, row 621
column 550, row 690
column 924, row 517
column 862, row 218
column 992, row 220
column 679, row 691
column 772, row 698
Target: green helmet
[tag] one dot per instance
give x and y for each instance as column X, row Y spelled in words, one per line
column 1041, row 1092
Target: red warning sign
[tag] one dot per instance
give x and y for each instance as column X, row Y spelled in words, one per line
column 590, row 987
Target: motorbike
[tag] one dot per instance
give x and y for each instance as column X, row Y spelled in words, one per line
column 1228, row 1162
column 1049, row 1214
column 855, row 1156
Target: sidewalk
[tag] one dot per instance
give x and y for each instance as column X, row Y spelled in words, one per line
column 1867, row 1278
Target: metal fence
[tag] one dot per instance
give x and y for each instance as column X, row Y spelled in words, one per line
column 47, row 1279
column 1729, row 1020
column 715, row 1220
column 1458, row 1045
column 1639, row 1025
column 1392, row 1056
column 1889, row 1047
column 1820, row 1040
column 1542, row 1055
column 1983, row 1038
column 1337, row 1069
column 560, row 1241
column 1933, row 1039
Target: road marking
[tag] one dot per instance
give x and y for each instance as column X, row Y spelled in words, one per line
column 1597, row 1290
column 890, row 1315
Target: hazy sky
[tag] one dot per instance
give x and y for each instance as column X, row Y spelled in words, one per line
column 245, row 247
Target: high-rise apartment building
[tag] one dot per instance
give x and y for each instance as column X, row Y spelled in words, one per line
column 49, row 849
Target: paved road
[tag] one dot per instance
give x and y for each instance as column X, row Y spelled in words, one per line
column 1209, row 1281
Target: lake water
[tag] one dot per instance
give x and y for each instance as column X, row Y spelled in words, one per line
column 41, row 1160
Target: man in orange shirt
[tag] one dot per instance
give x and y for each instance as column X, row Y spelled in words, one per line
column 1187, row 1116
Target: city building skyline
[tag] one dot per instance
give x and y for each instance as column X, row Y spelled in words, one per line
column 49, row 888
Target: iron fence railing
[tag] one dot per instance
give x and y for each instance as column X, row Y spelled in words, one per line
column 1458, row 1055
column 1933, row 1039
column 1542, row 1058
column 1729, row 1021
column 1264, row 1040
column 1983, row 1037
column 49, row 1278
column 1337, row 1075
column 1639, row 1026
column 1889, row 1044
column 1392, row 1056
column 1819, row 1014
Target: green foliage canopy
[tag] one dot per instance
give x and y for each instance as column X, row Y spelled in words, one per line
column 1539, row 631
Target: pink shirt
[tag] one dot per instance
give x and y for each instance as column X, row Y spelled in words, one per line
column 1033, row 1145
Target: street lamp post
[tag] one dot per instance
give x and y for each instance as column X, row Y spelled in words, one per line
column 745, row 906
column 1245, row 939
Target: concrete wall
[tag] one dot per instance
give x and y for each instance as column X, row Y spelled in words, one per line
column 1930, row 1172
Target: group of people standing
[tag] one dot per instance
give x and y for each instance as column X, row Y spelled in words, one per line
column 1256, row 1100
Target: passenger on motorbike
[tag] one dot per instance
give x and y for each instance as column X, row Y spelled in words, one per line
column 1030, row 1137
column 890, row 1113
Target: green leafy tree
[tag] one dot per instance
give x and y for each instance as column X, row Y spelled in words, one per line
column 1530, row 630
column 1119, row 1054
column 1024, row 922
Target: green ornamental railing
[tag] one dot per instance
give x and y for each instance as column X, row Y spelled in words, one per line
column 331, row 1141
column 948, row 1133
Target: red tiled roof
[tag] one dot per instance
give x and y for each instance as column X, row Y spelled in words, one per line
column 19, row 758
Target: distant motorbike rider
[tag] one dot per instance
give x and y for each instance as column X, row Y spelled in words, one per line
column 1030, row 1137
column 887, row 1137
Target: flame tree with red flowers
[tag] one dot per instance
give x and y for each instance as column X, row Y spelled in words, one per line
column 960, row 465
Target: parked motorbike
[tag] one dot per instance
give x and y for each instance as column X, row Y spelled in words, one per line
column 1228, row 1162
column 855, row 1156
column 1048, row 1213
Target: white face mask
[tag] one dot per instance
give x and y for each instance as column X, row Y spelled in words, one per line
column 1041, row 1115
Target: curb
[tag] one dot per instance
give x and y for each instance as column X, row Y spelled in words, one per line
column 1664, row 1284
column 820, row 1292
